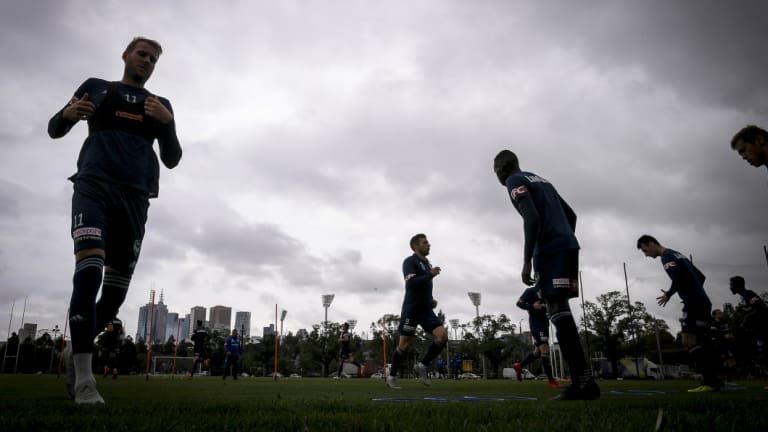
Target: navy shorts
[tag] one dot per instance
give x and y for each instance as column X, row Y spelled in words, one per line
column 558, row 274
column 111, row 218
column 423, row 316
column 345, row 353
column 696, row 319
column 539, row 331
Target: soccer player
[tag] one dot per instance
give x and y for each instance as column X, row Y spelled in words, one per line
column 552, row 251
column 117, row 174
column 346, row 350
column 751, row 143
column 538, row 322
column 109, row 346
column 200, row 339
column 232, row 349
column 755, row 319
column 418, row 310
column 688, row 283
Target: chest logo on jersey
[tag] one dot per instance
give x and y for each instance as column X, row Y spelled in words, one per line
column 516, row 192
column 129, row 116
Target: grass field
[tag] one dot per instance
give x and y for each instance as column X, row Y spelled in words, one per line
column 39, row 403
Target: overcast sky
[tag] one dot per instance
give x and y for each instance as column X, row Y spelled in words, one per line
column 318, row 137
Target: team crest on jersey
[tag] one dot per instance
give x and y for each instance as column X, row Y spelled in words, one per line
column 518, row 191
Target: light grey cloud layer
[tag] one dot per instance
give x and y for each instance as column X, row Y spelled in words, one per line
column 318, row 139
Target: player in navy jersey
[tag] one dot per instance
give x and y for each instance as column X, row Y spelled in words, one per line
column 755, row 319
column 345, row 354
column 418, row 310
column 688, row 283
column 552, row 251
column 751, row 143
column 199, row 338
column 538, row 322
column 117, row 173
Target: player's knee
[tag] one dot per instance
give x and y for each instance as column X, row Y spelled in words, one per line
column 81, row 254
column 558, row 310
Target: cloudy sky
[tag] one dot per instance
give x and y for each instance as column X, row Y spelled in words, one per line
column 319, row 137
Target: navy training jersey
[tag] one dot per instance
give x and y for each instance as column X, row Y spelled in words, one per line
column 526, row 301
column 687, row 280
column 555, row 231
column 118, row 148
column 199, row 338
column 418, row 281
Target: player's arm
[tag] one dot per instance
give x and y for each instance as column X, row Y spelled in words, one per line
column 78, row 108
column 170, row 148
column 531, row 227
column 569, row 214
column 411, row 274
column 531, row 224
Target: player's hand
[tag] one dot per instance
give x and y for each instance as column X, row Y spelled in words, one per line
column 435, row 271
column 526, row 274
column 434, row 303
column 79, row 109
column 156, row 110
column 537, row 306
column 662, row 299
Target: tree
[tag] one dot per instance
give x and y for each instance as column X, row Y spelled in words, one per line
column 604, row 319
column 494, row 349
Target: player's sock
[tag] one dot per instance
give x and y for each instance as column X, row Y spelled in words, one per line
column 528, row 359
column 397, row 358
column 547, row 365
column 570, row 343
column 82, row 306
column 706, row 364
column 341, row 366
column 113, row 293
column 435, row 348
column 83, row 372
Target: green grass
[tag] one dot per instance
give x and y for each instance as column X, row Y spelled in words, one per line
column 209, row 404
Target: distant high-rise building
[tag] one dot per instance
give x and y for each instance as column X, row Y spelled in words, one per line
column 243, row 323
column 221, row 318
column 184, row 326
column 268, row 331
column 159, row 322
column 172, row 328
column 196, row 314
column 28, row 331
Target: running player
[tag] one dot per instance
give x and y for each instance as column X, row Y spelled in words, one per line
column 538, row 322
column 200, row 339
column 688, row 283
column 418, row 305
column 345, row 354
column 109, row 347
column 117, row 174
column 552, row 251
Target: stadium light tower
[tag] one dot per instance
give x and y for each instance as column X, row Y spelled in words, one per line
column 327, row 300
column 352, row 323
column 455, row 324
column 282, row 318
column 475, row 297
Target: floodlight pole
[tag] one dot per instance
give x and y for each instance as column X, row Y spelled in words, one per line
column 282, row 318
column 475, row 298
column 327, row 300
